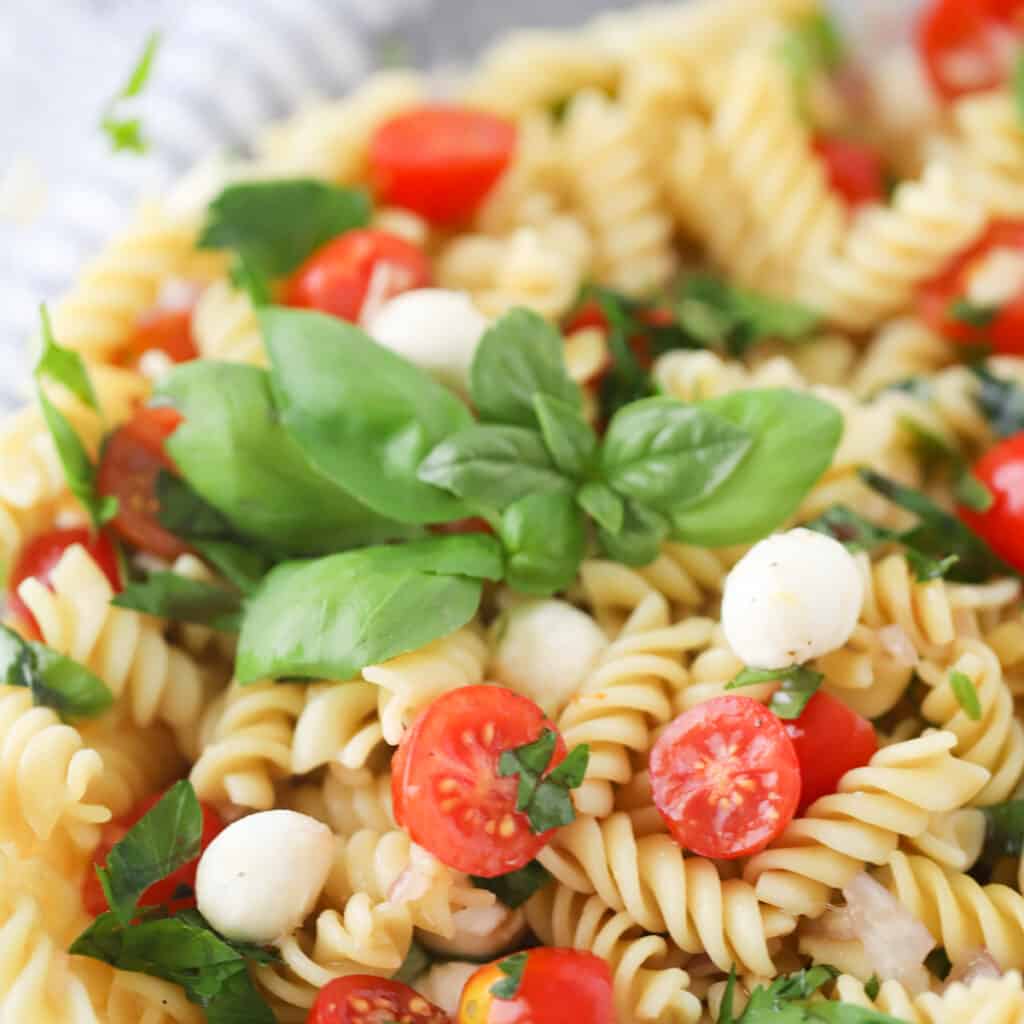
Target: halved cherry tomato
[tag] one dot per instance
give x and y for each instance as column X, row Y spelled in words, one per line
column 855, row 171
column 938, row 296
column 440, row 161
column 167, row 331
column 364, row 999
column 1001, row 470
column 172, row 891
column 969, row 45
column 340, row 275
column 830, row 739
column 446, row 789
column 132, row 458
column 40, row 558
column 725, row 777
column 557, row 985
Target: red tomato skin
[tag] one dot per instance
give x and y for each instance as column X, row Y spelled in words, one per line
column 365, row 999
column 160, row 893
column 40, row 558
column 336, row 278
column 132, row 458
column 1001, row 470
column 474, row 524
column 557, row 985
column 830, row 739
column 855, row 171
column 728, row 749
column 440, row 161
column 169, row 331
column 449, row 737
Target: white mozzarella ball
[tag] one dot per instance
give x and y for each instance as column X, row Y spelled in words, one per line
column 792, row 597
column 260, row 878
column 436, row 329
column 544, row 650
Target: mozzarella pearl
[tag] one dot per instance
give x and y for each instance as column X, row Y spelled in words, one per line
column 792, row 597
column 260, row 878
column 544, row 650
column 435, row 329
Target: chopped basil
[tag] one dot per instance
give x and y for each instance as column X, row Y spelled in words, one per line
column 1001, row 400
column 171, row 596
column 1005, row 829
column 971, row 313
column 544, row 798
column 416, row 961
column 966, row 694
column 516, row 887
column 872, row 987
column 933, row 450
column 126, row 133
column 512, row 967
column 798, row 684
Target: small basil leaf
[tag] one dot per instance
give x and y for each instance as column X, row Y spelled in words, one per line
column 416, row 962
column 795, row 437
column 163, row 840
column 365, row 417
column 186, row 514
column 512, row 967
column 570, row 773
column 639, row 540
column 669, row 455
column 493, row 464
column 927, row 568
column 544, row 540
column 516, row 887
column 725, row 1007
column 529, row 762
column 64, row 366
column 1002, row 402
column 966, row 694
column 851, row 529
column 569, row 438
column 545, row 800
column 603, row 505
column 170, row 596
column 518, row 358
column 798, row 684
column 126, row 133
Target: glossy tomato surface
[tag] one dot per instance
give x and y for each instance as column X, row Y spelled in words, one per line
column 440, row 161
column 1001, row 470
column 364, row 999
column 166, row 331
column 133, row 457
column 855, row 170
column 725, row 777
column 359, row 265
column 556, row 985
column 830, row 739
column 446, row 789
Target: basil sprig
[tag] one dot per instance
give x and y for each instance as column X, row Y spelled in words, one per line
column 54, row 681
column 797, row 685
column 542, row 795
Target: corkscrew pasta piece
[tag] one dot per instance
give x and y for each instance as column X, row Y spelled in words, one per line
column 647, row 986
column 953, row 839
column 338, row 726
column 351, row 806
column 224, row 326
column 990, row 154
column 891, row 797
column 902, row 349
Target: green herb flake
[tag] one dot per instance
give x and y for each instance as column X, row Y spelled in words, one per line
column 514, row 888
column 1005, row 830
column 798, row 684
column 512, row 967
column 169, row 595
column 126, row 133
column 872, row 987
column 545, row 800
column 972, row 314
column 966, row 694
column 1001, row 401
column 417, row 961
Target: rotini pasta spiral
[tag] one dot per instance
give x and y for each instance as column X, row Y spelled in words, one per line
column 338, row 725
column 990, row 156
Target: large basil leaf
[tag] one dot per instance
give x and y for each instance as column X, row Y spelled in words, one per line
column 332, row 617
column 364, row 416
column 544, row 540
column 569, row 437
column 668, row 455
column 795, row 436
column 235, row 453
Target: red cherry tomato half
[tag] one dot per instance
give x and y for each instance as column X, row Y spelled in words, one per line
column 969, row 45
column 340, row 275
column 132, row 459
column 830, row 739
column 855, row 171
column 725, row 777
column 40, row 558
column 170, row 891
column 446, row 789
column 1001, row 470
column 557, row 985
column 167, row 331
column 937, row 297
column 364, row 999
column 440, row 161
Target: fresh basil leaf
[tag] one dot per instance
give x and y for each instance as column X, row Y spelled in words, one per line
column 529, row 762
column 416, row 962
column 494, row 465
column 570, row 440
column 639, row 540
column 971, row 313
column 239, row 565
column 872, row 987
column 186, row 514
column 966, row 694
column 668, row 455
column 1002, row 402
column 1018, row 86
column 332, row 617
column 170, row 596
column 798, row 684
column 544, row 538
column 163, row 840
column 512, row 967
column 926, row 567
column 64, row 366
column 725, row 1008
column 234, row 451
column 603, row 505
column 933, row 450
column 1005, row 829
column 364, row 416
column 516, row 887
column 545, row 800
column 274, row 225
column 795, row 436
column 570, row 773
column 518, row 358
column 847, row 1013
column 126, row 133
column 851, row 529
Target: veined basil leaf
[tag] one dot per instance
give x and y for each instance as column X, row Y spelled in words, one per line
column 795, row 436
column 668, row 455
column 332, row 617
column 567, row 435
column 545, row 798
column 797, row 685
column 1002, row 402
column 170, row 596
column 364, row 416
column 544, row 540
column 516, row 887
column 603, row 505
column 233, row 450
column 495, row 465
column 518, row 358
column 639, row 540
